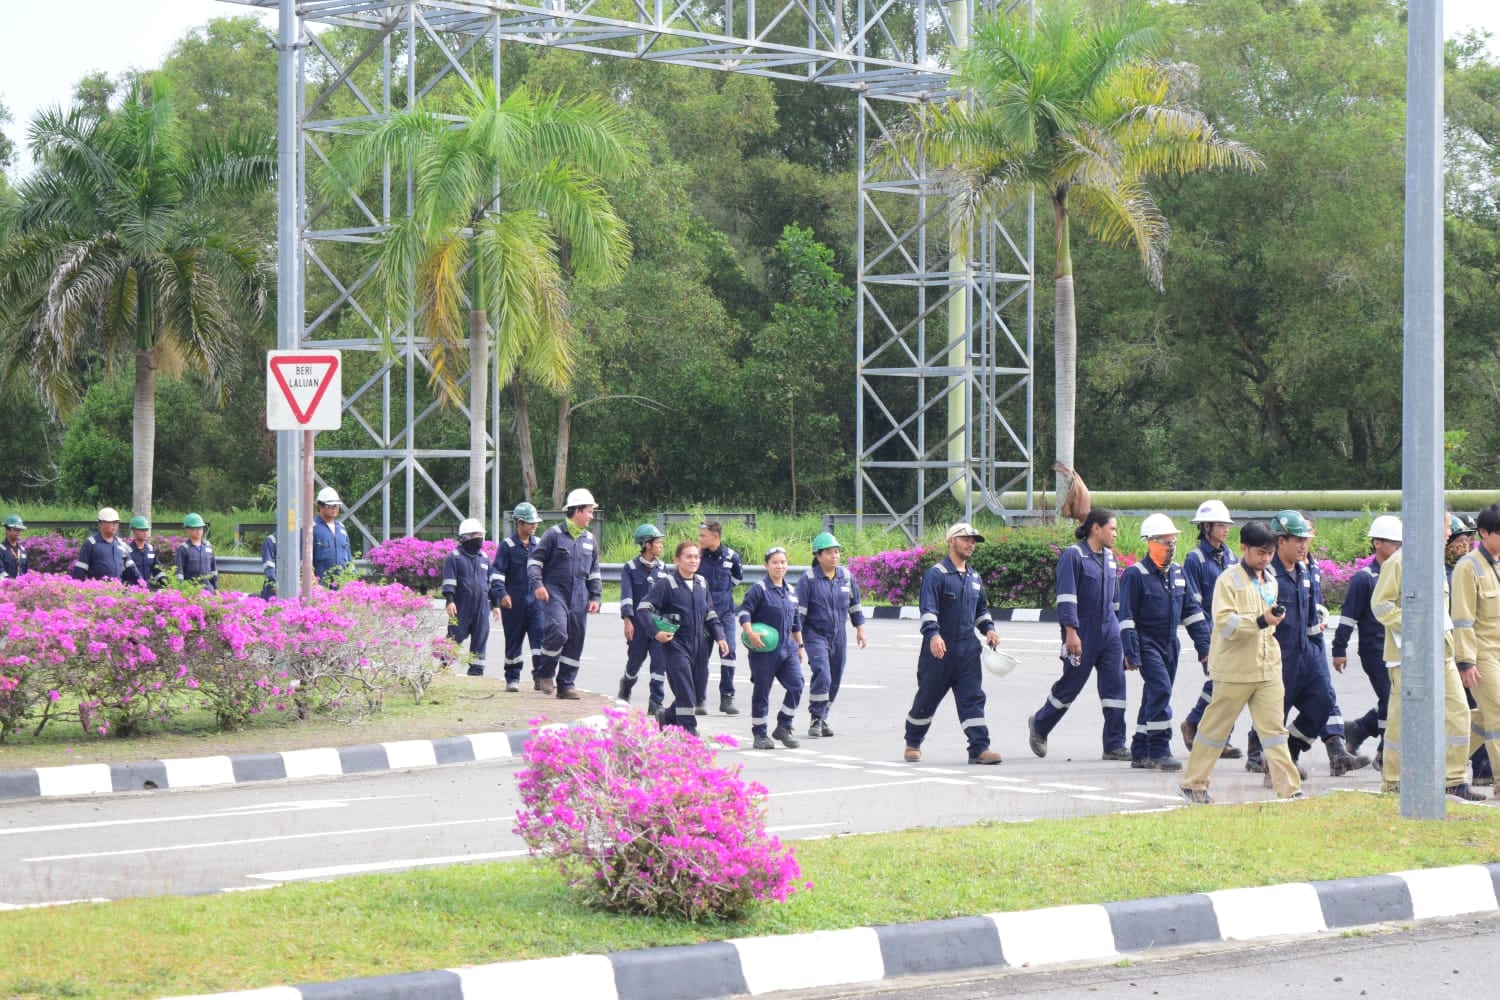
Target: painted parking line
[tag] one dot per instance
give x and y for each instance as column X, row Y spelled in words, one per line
column 1064, row 787
column 394, row 864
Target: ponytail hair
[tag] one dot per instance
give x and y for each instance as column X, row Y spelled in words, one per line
column 1096, row 516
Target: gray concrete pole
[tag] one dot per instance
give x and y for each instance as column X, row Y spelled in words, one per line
column 288, row 301
column 1423, row 596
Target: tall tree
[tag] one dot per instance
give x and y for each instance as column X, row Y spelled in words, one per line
column 112, row 255
column 498, row 198
column 1075, row 108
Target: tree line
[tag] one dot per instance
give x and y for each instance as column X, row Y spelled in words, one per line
column 717, row 364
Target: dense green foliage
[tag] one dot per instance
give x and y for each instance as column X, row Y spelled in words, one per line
column 725, row 353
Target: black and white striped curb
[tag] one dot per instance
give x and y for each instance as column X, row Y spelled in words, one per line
column 1030, row 938
column 207, row 772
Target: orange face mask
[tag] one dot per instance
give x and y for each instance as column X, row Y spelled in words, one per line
column 1160, row 552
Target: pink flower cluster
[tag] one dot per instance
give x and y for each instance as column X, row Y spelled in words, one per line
column 643, row 820
column 895, row 576
column 51, row 553
column 415, row 562
column 117, row 658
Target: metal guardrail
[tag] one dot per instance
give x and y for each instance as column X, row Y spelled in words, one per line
column 251, row 565
column 665, row 518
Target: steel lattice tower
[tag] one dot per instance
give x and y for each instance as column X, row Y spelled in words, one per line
column 943, row 371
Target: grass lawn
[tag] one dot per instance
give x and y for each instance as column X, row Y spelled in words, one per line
column 476, row 914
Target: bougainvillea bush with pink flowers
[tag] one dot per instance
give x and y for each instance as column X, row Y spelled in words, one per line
column 114, row 659
column 644, row 820
column 415, row 562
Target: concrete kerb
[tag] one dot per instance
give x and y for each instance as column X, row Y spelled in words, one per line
column 1033, row 938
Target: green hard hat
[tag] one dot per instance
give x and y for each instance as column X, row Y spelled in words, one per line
column 665, row 624
column 14, row 521
column 191, row 521
column 1292, row 524
column 768, row 635
column 824, row 540
column 526, row 512
column 139, row 523
column 646, row 533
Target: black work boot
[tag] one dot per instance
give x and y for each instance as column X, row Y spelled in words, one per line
column 626, row 686
column 1340, row 760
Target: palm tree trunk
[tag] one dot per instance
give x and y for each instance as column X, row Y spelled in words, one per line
column 143, row 432
column 560, row 466
column 1065, row 347
column 529, row 479
column 479, row 384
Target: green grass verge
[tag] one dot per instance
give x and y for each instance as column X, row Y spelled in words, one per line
column 476, row 914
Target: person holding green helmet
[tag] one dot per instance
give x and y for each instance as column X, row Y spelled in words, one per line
column 825, row 595
column 636, row 578
column 688, row 622
column 772, row 604
column 520, row 615
column 195, row 557
column 13, row 553
column 148, row 570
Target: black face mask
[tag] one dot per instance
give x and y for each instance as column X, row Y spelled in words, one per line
column 471, row 545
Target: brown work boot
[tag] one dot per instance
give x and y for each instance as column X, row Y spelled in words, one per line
column 569, row 694
column 913, row 754
column 546, row 685
column 1189, row 733
column 986, row 757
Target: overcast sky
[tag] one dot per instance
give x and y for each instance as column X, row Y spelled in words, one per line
column 38, row 68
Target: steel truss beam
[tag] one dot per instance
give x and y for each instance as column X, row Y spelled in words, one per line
column 945, row 345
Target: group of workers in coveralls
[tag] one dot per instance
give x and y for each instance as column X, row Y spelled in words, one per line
column 1257, row 624
column 104, row 555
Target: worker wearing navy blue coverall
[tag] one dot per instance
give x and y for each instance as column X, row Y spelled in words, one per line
column 563, row 572
column 1357, row 614
column 1202, row 566
column 953, row 607
column 331, row 547
column 1333, row 729
column 826, row 595
column 472, row 595
column 268, row 567
column 775, row 605
column 680, row 596
column 636, row 577
column 723, row 570
column 12, row 552
column 146, row 565
column 1087, row 581
column 520, row 613
column 1154, row 601
column 104, row 556
column 1304, row 668
column 196, row 563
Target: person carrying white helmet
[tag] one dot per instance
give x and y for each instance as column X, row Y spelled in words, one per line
column 520, row 613
column 1385, row 541
column 331, row 548
column 1202, row 566
column 471, row 594
column 564, row 575
column 1154, row 601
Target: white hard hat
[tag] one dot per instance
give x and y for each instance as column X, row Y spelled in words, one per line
column 108, row 514
column 1157, row 525
column 470, row 526
column 330, row 496
column 580, row 498
column 1387, row 527
column 1212, row 512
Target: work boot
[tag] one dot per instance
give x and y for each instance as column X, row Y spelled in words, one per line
column 569, row 694
column 1230, row 752
column 726, row 705
column 512, row 686
column 701, row 709
column 1296, row 753
column 1037, row 741
column 1196, row 796
column 912, row 755
column 1167, row 763
column 824, row 728
column 1118, row 753
column 1189, row 732
column 626, row 685
column 546, row 685
column 1340, row 760
column 1463, row 791
column 1355, row 734
column 1255, row 764
column 652, row 707
column 993, row 757
column 784, row 734
column 764, row 742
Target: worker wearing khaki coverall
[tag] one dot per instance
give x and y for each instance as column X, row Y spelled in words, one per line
column 1244, row 661
column 1476, row 628
column 1386, row 603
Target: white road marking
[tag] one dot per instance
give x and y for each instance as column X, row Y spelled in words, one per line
column 847, row 788
column 397, row 864
column 1153, row 795
column 1064, row 787
column 801, row 826
column 312, row 805
column 55, row 902
column 841, row 756
column 888, row 774
column 836, row 766
column 1100, row 798
column 262, row 840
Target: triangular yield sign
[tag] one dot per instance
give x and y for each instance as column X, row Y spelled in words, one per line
column 303, row 392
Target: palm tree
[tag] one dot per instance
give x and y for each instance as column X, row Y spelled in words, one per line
column 113, row 251
column 507, row 203
column 1078, row 109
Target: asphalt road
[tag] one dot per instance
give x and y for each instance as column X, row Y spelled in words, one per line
column 172, row 842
